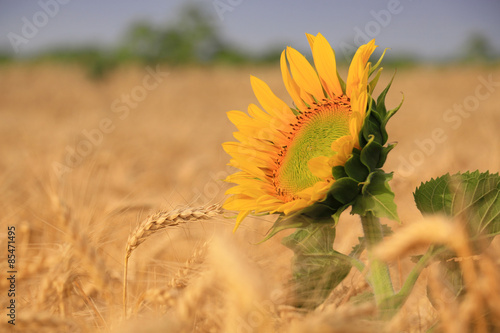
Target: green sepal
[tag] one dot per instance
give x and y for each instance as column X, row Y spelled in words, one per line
column 373, row 83
column 376, row 197
column 370, row 154
column 355, row 168
column 383, row 154
column 316, row 268
column 319, row 212
column 340, row 196
column 338, row 172
column 283, row 223
column 374, row 67
column 344, row 190
column 373, row 126
column 392, row 112
column 381, row 109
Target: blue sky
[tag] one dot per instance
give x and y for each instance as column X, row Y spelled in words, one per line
column 428, row 29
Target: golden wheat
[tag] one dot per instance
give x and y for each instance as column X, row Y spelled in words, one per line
column 162, row 220
column 167, row 295
column 159, row 221
column 72, row 230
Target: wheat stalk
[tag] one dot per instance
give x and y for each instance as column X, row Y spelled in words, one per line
column 81, row 242
column 159, row 221
column 180, row 278
column 168, row 294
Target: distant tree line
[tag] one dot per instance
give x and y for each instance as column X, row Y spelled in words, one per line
column 193, row 38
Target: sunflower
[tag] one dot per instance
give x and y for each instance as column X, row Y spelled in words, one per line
column 286, row 154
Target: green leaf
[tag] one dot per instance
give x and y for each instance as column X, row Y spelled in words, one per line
column 376, row 197
column 434, row 196
column 474, row 195
column 313, row 239
column 317, row 268
column 452, row 279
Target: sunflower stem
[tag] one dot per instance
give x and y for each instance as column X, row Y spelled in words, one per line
column 378, row 276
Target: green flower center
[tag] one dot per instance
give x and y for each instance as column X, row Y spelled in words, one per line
column 311, row 136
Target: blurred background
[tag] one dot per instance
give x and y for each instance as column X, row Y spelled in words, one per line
column 102, row 35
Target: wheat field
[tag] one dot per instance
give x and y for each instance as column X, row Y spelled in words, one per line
column 128, row 170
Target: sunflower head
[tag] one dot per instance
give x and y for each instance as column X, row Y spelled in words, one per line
column 310, row 158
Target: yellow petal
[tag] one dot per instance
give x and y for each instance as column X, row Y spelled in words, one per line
column 292, row 206
column 367, row 51
column 310, row 39
column 355, row 125
column 319, row 167
column 239, row 202
column 324, row 60
column 319, row 190
column 248, row 167
column 343, row 147
column 306, row 194
column 290, row 85
column 358, row 64
column 238, row 177
column 239, row 219
column 252, row 191
column 359, row 94
column 269, row 126
column 255, row 112
column 267, row 98
column 304, row 74
column 244, row 123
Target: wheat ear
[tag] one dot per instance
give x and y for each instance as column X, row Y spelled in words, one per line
column 160, row 221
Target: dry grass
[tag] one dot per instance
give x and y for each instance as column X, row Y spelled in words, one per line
column 74, row 229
